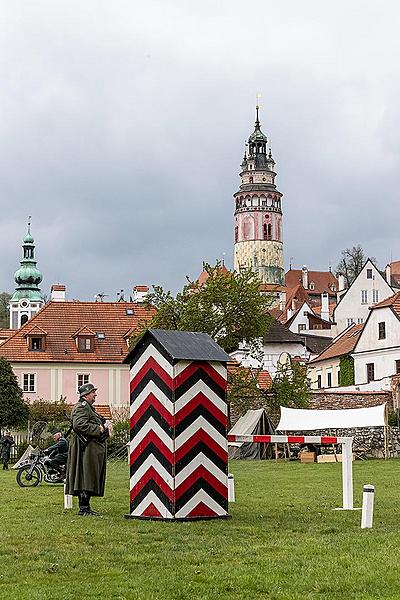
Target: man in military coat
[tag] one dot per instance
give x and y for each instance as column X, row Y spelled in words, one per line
column 87, row 454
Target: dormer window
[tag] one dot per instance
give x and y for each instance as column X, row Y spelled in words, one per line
column 36, row 343
column 85, row 344
column 84, row 339
column 311, row 285
column 36, row 339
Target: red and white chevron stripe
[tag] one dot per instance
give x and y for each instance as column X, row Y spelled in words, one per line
column 178, row 448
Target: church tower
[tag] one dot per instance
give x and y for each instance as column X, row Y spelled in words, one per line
column 258, row 212
column 27, row 298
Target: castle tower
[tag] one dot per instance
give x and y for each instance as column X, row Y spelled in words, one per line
column 258, row 213
column 27, row 298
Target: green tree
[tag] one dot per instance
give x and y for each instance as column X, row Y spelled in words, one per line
column 346, row 370
column 13, row 409
column 351, row 263
column 243, row 392
column 228, row 306
column 51, row 412
column 290, row 387
column 5, row 298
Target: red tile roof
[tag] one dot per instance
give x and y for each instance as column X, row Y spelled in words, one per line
column 204, row 275
column 103, row 410
column 343, row 344
column 62, row 321
column 323, row 280
column 264, row 378
column 395, row 267
column 317, row 309
column 393, row 301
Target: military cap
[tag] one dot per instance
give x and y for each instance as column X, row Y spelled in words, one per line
column 86, row 389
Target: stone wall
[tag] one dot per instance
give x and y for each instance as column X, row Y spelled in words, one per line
column 368, row 442
column 322, row 399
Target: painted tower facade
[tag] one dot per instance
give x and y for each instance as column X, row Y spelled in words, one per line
column 258, row 212
column 27, row 298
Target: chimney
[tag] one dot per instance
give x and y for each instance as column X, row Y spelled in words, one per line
column 140, row 293
column 388, row 274
column 57, row 293
column 304, row 277
column 325, row 306
column 341, row 282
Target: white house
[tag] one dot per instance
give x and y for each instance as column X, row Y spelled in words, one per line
column 367, row 289
column 377, row 352
column 324, row 370
column 280, row 339
column 307, row 320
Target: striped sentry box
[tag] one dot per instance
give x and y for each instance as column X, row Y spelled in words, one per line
column 178, row 420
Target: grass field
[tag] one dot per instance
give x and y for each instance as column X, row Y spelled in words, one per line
column 283, row 541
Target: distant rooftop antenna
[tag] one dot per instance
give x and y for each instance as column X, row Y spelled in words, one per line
column 120, row 296
column 100, row 297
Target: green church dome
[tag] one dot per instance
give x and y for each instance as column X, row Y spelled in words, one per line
column 28, row 276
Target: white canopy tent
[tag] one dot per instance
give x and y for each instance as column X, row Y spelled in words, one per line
column 298, row 419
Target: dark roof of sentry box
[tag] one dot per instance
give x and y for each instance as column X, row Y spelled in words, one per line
column 183, row 345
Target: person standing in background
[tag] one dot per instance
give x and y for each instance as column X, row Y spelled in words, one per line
column 6, row 442
column 87, row 454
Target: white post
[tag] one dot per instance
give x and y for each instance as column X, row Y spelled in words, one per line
column 67, row 499
column 367, row 506
column 347, row 473
column 231, row 488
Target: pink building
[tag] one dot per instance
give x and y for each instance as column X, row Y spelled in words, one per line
column 68, row 343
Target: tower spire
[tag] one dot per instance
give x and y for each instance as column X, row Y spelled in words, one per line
column 258, row 211
column 27, row 298
column 257, row 123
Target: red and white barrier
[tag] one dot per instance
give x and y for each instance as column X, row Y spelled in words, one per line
column 347, row 454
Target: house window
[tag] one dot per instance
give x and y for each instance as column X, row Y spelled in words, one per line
column 360, row 320
column 338, row 377
column 319, row 381
column 364, row 296
column 375, row 296
column 369, row 273
column 381, row 330
column 85, row 344
column 329, row 375
column 312, row 285
column 370, row 372
column 29, row 382
column 350, row 322
column 36, row 343
column 397, row 363
column 82, row 379
column 301, row 327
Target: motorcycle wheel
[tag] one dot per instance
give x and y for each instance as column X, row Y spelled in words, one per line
column 24, row 479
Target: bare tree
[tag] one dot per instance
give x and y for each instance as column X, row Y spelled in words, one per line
column 351, row 263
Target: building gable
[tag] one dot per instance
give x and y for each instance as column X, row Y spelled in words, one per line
column 369, row 288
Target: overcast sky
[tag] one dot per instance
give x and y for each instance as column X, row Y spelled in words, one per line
column 122, row 128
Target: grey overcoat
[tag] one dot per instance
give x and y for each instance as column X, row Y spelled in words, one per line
column 86, row 466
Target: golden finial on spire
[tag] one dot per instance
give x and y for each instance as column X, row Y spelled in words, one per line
column 258, row 96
